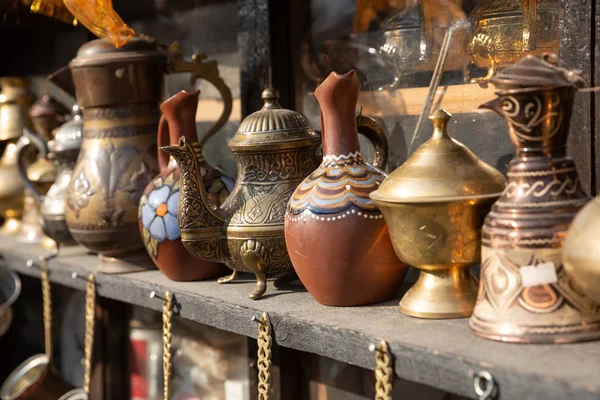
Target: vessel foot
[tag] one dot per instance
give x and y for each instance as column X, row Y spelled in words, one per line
column 261, row 286
column 228, row 278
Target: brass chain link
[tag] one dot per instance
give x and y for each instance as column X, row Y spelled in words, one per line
column 47, row 307
column 167, row 317
column 264, row 357
column 90, row 319
column 383, row 372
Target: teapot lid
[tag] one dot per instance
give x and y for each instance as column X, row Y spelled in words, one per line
column 102, row 52
column 537, row 72
column 68, row 135
column 273, row 127
column 440, row 170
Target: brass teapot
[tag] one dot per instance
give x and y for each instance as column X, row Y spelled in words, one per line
column 505, row 31
column 275, row 150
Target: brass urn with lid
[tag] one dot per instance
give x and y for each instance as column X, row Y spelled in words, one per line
column 275, row 150
column 434, row 206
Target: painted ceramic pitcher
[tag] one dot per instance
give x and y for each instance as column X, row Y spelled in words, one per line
column 335, row 234
column 158, row 205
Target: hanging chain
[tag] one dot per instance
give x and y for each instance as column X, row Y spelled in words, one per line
column 47, row 308
column 90, row 319
column 383, row 372
column 485, row 385
column 167, row 317
column 264, row 356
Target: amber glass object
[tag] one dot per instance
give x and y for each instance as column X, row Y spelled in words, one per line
column 100, row 18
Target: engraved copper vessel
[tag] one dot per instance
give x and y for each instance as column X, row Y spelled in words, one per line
column 434, row 205
column 275, row 151
column 15, row 100
column 504, row 31
column 332, row 205
column 525, row 294
column 119, row 91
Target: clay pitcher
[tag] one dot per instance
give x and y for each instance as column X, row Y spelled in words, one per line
column 336, row 236
column 159, row 203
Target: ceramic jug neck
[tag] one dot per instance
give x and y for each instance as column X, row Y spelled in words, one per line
column 337, row 96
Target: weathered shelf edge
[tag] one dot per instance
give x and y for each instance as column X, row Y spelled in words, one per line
column 421, row 365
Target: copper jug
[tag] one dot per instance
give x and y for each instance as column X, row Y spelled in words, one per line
column 525, row 294
column 120, row 91
column 275, row 150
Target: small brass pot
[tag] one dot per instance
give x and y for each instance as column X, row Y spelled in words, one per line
column 434, row 206
column 34, row 379
column 443, row 240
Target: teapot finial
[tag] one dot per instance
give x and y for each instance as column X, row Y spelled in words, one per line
column 440, row 120
column 271, row 98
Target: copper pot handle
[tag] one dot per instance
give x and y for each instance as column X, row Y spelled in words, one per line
column 370, row 129
column 209, row 71
column 23, row 148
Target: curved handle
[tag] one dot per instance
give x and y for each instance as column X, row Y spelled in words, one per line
column 370, row 129
column 208, row 71
column 163, row 140
column 27, row 142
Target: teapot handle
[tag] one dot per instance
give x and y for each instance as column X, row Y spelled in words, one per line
column 29, row 141
column 163, row 140
column 370, row 129
column 208, row 71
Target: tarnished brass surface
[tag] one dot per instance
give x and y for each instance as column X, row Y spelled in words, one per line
column 275, row 150
column 504, row 31
column 15, row 101
column 11, row 190
column 528, row 224
column 434, row 206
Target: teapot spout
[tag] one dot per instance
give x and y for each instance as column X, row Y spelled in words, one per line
column 200, row 222
column 63, row 78
column 494, row 105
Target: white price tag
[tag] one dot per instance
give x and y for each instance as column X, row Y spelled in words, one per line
column 541, row 274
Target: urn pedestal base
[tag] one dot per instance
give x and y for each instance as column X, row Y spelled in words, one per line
column 449, row 293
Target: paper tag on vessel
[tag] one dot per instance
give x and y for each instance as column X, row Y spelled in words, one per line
column 541, row 274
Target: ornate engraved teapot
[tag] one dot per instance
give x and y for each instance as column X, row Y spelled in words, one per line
column 275, row 150
column 504, row 31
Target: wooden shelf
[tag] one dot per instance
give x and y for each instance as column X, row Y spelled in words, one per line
column 438, row 353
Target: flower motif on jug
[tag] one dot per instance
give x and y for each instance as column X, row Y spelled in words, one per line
column 338, row 189
column 158, row 213
column 79, row 193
